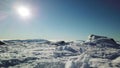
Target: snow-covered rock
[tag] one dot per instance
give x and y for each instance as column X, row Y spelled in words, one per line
column 95, row 37
column 104, row 41
column 99, row 39
column 2, row 43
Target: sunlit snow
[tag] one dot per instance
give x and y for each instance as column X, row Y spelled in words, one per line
column 96, row 52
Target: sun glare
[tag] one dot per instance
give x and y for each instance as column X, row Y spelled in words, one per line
column 23, row 11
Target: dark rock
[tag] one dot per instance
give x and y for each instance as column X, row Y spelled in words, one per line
column 2, row 43
column 61, row 43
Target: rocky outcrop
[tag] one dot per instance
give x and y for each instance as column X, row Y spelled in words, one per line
column 61, row 43
column 2, row 43
column 93, row 37
column 104, row 41
column 99, row 39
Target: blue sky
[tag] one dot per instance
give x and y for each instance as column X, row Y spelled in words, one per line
column 60, row 19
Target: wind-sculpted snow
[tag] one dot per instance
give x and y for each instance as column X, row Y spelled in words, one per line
column 96, row 52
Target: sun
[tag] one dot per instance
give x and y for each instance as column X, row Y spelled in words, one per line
column 23, row 11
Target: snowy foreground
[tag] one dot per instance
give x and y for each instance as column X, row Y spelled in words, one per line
column 96, row 52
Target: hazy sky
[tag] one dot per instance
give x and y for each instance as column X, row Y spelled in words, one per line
column 60, row 19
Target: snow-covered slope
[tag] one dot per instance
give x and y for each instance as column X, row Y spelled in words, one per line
column 96, row 52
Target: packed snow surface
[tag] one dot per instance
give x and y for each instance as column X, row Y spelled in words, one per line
column 96, row 52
